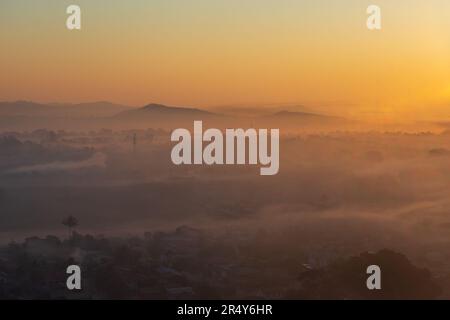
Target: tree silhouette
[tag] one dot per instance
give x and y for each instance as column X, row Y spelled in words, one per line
column 70, row 222
column 346, row 279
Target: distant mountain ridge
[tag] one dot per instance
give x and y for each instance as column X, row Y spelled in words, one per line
column 157, row 110
column 23, row 108
column 97, row 108
column 102, row 114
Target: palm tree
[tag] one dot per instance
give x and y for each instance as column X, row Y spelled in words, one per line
column 70, row 222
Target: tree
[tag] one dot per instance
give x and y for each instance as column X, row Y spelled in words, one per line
column 70, row 222
column 346, row 279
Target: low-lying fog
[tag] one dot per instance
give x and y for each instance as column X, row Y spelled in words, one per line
column 376, row 188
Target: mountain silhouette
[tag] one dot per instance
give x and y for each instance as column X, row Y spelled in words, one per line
column 102, row 114
column 24, row 108
column 162, row 116
column 154, row 110
column 93, row 109
column 55, row 110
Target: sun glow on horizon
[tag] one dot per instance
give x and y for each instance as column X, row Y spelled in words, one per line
column 203, row 53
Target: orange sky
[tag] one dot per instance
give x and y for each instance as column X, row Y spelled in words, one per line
column 206, row 53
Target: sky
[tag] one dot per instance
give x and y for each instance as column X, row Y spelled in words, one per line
column 208, row 53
